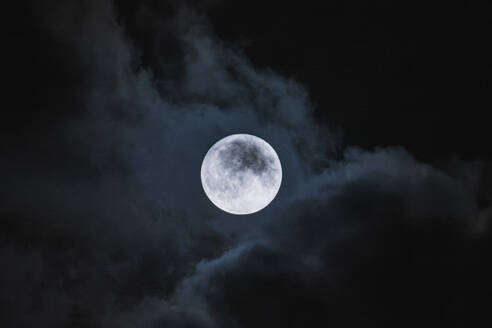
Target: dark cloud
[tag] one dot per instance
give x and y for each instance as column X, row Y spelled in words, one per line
column 104, row 222
column 372, row 249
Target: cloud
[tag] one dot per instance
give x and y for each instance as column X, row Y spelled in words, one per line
column 104, row 222
column 370, row 249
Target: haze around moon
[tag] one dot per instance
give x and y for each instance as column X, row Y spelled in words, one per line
column 241, row 174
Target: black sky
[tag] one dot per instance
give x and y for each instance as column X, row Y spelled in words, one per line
column 379, row 114
column 415, row 75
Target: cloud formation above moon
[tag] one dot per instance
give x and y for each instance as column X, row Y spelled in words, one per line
column 112, row 229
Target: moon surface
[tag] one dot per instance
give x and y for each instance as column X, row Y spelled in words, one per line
column 241, row 174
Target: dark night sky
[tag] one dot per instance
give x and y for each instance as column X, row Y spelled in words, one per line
column 379, row 114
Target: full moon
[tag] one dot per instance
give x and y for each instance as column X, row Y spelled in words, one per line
column 241, row 174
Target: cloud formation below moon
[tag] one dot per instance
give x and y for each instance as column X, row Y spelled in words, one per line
column 101, row 233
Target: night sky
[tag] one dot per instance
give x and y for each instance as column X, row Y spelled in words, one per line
column 379, row 114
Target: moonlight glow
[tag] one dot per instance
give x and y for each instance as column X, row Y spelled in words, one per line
column 241, row 174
